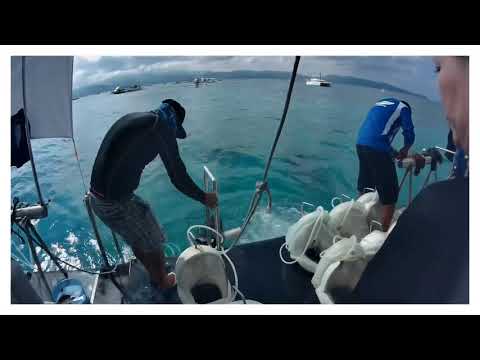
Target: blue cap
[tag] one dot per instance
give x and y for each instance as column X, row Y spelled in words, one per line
column 180, row 116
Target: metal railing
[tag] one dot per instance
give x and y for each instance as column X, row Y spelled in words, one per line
column 211, row 185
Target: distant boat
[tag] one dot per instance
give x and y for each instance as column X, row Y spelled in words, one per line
column 75, row 98
column 198, row 81
column 318, row 82
column 121, row 90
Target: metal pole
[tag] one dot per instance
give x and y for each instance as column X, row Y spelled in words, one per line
column 209, row 178
column 95, row 230
column 39, row 266
column 217, row 217
column 446, row 150
column 407, row 170
column 117, row 246
column 45, row 248
column 102, row 248
column 410, row 178
column 205, row 182
column 27, row 131
column 428, row 178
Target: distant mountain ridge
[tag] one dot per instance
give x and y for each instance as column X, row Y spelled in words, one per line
column 150, row 79
column 350, row 80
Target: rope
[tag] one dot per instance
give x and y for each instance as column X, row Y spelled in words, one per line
column 19, row 235
column 263, row 185
column 22, row 262
column 23, row 258
column 407, row 171
column 29, row 229
column 427, row 179
column 80, row 269
column 191, row 239
column 55, row 257
column 340, row 199
column 284, row 115
column 78, row 163
column 317, row 226
column 241, row 294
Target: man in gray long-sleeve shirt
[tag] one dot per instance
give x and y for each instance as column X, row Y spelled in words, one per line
column 132, row 143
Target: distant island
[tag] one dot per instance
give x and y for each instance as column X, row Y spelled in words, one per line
column 350, row 80
column 176, row 77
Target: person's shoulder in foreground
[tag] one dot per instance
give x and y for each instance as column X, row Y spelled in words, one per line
column 425, row 259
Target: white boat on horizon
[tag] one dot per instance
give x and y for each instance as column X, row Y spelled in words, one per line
column 121, row 90
column 318, row 82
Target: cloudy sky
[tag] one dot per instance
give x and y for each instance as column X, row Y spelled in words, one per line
column 411, row 73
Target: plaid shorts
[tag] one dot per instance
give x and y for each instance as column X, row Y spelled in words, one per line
column 133, row 220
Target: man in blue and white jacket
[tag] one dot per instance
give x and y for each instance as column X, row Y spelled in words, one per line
column 375, row 152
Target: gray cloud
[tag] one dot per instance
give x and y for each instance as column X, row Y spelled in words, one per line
column 411, row 73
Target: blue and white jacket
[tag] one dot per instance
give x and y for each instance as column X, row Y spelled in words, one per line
column 382, row 124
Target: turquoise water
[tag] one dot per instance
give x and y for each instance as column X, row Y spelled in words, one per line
column 231, row 127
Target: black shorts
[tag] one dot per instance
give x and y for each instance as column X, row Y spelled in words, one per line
column 377, row 171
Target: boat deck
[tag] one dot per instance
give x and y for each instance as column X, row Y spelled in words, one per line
column 262, row 277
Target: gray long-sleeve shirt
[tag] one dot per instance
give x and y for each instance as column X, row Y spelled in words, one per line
column 132, row 143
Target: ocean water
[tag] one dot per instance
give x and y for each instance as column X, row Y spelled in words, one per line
column 231, row 126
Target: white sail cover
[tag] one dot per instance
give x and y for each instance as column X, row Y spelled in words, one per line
column 48, row 94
